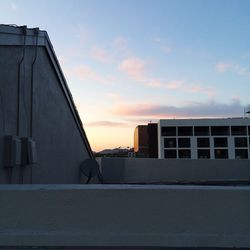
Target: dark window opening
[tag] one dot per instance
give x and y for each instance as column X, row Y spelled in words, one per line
column 220, row 142
column 239, row 130
column 240, row 142
column 201, row 131
column 184, row 142
column 203, row 154
column 221, row 153
column 220, row 130
column 184, row 154
column 241, row 154
column 185, row 131
column 170, row 154
column 203, row 142
column 168, row 131
column 170, row 143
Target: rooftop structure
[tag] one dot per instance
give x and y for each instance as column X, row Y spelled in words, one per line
column 37, row 113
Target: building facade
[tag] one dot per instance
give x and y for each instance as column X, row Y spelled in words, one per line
column 145, row 141
column 141, row 140
column 225, row 138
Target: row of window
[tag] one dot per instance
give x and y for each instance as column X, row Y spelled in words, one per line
column 239, row 142
column 205, row 154
column 205, row 130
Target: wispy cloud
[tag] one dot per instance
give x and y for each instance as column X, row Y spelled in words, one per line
column 163, row 45
column 223, row 67
column 84, row 72
column 121, row 44
column 106, row 124
column 241, row 70
column 181, row 85
column 115, row 97
column 176, row 84
column 133, row 67
column 83, row 33
column 246, row 55
column 136, row 69
column 101, row 54
column 166, row 49
column 113, row 52
column 192, row 109
column 234, row 68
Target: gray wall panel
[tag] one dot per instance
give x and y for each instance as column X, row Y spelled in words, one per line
column 61, row 142
column 132, row 170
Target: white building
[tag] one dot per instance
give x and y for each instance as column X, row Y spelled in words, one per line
column 225, row 138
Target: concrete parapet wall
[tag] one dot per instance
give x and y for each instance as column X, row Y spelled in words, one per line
column 131, row 170
column 105, row 216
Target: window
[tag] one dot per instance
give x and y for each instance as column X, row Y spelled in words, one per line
column 248, row 130
column 184, row 142
column 203, row 142
column 184, row 154
column 168, row 131
column 220, row 153
column 201, row 131
column 185, row 131
column 239, row 130
column 170, row 142
column 170, row 154
column 203, row 154
column 241, row 154
column 220, row 142
column 220, row 130
column 240, row 142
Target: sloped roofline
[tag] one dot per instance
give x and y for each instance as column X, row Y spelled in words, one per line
column 12, row 35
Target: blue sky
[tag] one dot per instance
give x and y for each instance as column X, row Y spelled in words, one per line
column 128, row 62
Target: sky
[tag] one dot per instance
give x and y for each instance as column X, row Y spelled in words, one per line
column 129, row 62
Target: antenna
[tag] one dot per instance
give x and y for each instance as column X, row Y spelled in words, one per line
column 247, row 111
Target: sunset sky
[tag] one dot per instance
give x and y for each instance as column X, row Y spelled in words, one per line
column 133, row 61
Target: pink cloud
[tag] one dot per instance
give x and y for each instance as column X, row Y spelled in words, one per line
column 234, row 68
column 176, row 84
column 223, row 67
column 115, row 97
column 130, row 110
column 201, row 89
column 163, row 45
column 134, row 67
column 192, row 109
column 106, row 124
column 166, row 50
column 101, row 54
column 181, row 86
column 121, row 45
column 84, row 72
